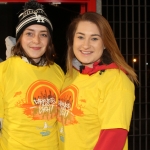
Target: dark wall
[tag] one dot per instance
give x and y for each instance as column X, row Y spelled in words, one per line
column 60, row 16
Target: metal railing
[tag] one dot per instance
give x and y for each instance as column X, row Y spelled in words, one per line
column 130, row 21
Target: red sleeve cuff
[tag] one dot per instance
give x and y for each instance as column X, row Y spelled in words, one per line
column 111, row 139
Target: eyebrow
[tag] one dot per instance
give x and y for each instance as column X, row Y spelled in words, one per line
column 91, row 35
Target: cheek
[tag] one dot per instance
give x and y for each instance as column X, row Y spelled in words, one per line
column 23, row 44
column 24, row 41
column 75, row 50
column 44, row 44
column 76, row 46
column 100, row 52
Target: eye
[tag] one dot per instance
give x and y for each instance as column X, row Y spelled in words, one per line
column 80, row 37
column 29, row 34
column 94, row 39
column 44, row 35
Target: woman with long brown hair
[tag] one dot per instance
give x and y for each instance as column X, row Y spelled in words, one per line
column 100, row 86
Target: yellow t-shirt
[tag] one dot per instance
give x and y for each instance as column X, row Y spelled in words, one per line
column 89, row 104
column 28, row 105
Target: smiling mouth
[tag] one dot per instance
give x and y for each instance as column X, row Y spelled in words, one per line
column 36, row 48
column 85, row 52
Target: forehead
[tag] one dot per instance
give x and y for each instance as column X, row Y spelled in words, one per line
column 36, row 27
column 87, row 26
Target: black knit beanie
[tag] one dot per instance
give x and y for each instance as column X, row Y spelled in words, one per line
column 33, row 14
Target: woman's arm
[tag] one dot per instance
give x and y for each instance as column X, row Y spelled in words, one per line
column 111, row 139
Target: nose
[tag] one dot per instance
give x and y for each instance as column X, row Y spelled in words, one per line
column 36, row 39
column 86, row 44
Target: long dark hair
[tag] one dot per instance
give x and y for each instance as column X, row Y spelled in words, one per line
column 111, row 52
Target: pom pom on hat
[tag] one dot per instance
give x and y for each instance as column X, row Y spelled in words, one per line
column 32, row 5
column 33, row 14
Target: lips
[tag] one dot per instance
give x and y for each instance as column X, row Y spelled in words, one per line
column 85, row 52
column 36, row 48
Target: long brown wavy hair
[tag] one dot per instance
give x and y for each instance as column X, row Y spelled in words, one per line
column 110, row 54
column 48, row 57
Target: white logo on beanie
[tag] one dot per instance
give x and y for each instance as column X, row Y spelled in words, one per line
column 39, row 18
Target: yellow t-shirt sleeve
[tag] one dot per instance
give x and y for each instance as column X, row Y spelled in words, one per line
column 1, row 104
column 116, row 104
column 1, row 97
